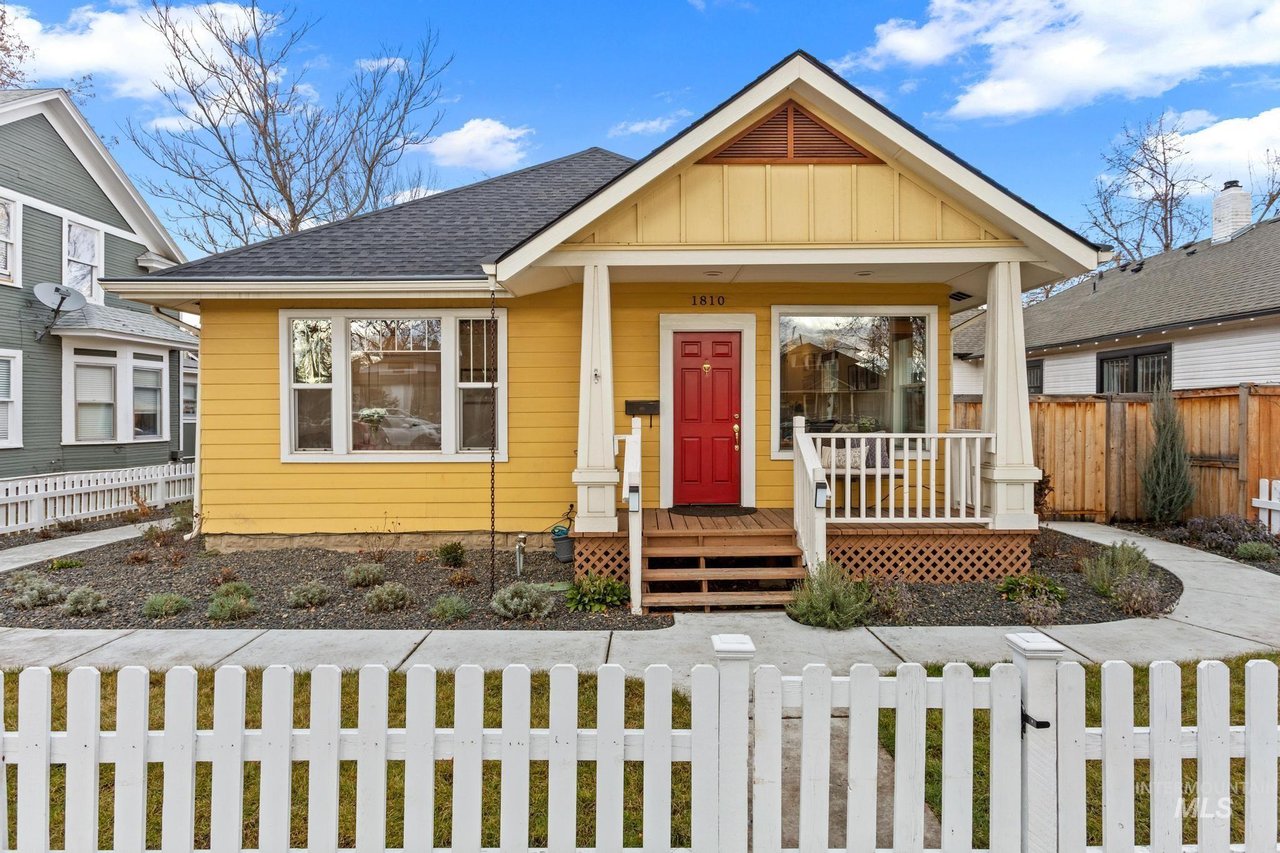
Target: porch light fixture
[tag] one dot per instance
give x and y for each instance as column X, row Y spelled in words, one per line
column 820, row 495
column 633, row 499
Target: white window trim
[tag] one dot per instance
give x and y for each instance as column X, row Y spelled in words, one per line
column 341, row 394
column 123, row 362
column 14, row 277
column 930, row 312
column 15, row 388
column 96, row 295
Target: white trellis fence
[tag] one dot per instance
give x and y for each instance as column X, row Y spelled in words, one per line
column 30, row 503
column 739, row 752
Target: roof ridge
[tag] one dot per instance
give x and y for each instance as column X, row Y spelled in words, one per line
column 369, row 213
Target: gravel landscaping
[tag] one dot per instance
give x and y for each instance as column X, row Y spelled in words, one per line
column 127, row 574
column 63, row 529
column 1221, row 535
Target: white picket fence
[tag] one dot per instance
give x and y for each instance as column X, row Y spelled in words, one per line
column 30, row 503
column 1268, row 505
column 736, row 748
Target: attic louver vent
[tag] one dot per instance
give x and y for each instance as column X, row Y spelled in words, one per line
column 790, row 135
column 961, row 296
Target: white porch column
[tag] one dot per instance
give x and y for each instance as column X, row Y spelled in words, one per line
column 596, row 475
column 1009, row 473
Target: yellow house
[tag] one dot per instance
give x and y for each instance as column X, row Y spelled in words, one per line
column 730, row 359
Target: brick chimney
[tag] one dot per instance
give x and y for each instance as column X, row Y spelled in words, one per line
column 1232, row 210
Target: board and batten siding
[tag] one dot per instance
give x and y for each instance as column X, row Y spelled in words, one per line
column 240, row 414
column 35, row 161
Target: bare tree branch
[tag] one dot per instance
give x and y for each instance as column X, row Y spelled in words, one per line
column 14, row 53
column 254, row 151
column 1141, row 203
column 1265, row 183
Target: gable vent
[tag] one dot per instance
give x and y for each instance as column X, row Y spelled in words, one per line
column 960, row 296
column 790, row 135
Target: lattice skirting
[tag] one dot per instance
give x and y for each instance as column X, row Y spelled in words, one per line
column 601, row 555
column 929, row 557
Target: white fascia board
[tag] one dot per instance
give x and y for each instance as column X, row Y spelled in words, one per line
column 856, row 255
column 103, row 334
column 1047, row 240
column 97, row 160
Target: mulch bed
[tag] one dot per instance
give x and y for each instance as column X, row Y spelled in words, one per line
column 187, row 569
column 1169, row 534
column 1053, row 554
column 56, row 531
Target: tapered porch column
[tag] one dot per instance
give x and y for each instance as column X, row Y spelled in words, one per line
column 1009, row 473
column 596, row 475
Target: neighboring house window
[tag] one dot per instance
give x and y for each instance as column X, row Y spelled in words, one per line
column 10, row 398
column 8, row 240
column 83, row 259
column 393, row 385
column 874, row 371
column 114, row 395
column 189, row 401
column 1035, row 376
column 1140, row 370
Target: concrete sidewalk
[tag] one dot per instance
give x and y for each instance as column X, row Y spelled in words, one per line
column 1227, row 609
column 22, row 556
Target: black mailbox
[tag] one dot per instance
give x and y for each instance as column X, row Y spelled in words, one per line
column 641, row 407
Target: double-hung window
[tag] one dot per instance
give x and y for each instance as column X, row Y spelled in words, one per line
column 83, row 259
column 1035, row 376
column 1134, row 371
column 393, row 385
column 8, row 240
column 10, row 398
column 95, row 390
column 148, row 396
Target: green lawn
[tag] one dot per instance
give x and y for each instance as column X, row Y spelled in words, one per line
column 395, row 783
column 1093, row 716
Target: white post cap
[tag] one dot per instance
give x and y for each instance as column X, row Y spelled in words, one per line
column 1034, row 645
column 733, row 646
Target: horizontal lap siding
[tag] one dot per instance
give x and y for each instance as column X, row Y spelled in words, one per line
column 247, row 489
column 636, row 311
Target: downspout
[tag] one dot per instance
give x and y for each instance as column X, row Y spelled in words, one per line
column 196, row 517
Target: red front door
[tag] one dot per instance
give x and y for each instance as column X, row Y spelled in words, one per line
column 708, row 422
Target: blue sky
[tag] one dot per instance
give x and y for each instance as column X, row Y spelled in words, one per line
column 1027, row 91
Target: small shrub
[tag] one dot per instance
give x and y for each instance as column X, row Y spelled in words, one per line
column 376, row 553
column 84, row 601
column 224, row 575
column 1167, row 488
column 829, row 598
column 450, row 608
column 69, row 525
column 209, row 552
column 892, row 598
column 1022, row 588
column 31, row 590
column 462, row 579
column 388, row 597
column 522, row 600
column 1259, row 552
column 451, row 555
column 131, row 516
column 596, row 594
column 1040, row 611
column 420, row 557
column 230, row 608
column 177, row 557
column 1137, row 595
column 141, row 507
column 1116, row 561
column 137, row 558
column 364, row 575
column 59, row 563
column 310, row 595
column 45, row 533
column 157, row 536
column 1043, row 488
column 1222, row 533
column 162, row 605
column 235, row 589
column 183, row 517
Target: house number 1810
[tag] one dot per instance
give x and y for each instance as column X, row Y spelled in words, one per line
column 706, row 299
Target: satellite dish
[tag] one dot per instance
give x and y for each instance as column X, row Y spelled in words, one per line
column 60, row 298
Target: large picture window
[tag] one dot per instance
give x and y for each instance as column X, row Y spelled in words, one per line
column 1134, row 371
column 393, row 385
column 853, row 370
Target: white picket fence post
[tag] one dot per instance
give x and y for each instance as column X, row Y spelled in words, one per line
column 1037, row 657
column 734, row 653
column 1268, row 505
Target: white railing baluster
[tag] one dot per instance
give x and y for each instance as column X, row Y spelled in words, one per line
column 631, row 498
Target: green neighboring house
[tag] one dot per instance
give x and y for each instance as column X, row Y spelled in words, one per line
column 111, row 385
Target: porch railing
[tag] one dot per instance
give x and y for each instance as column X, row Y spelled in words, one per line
column 869, row 478
column 631, row 498
column 809, row 498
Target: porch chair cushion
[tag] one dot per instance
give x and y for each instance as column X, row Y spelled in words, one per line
column 877, row 456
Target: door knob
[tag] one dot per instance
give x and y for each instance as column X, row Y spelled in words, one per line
column 736, row 431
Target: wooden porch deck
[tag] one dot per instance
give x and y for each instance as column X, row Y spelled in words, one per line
column 776, row 521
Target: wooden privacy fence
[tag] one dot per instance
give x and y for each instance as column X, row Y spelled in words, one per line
column 1093, row 448
column 737, row 752
column 30, row 503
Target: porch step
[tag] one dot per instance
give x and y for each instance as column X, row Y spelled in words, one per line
column 745, row 550
column 676, row 539
column 726, row 573
column 717, row 599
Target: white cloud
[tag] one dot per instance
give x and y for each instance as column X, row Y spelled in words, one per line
column 114, row 44
column 1223, row 150
column 485, row 144
column 1191, row 120
column 1042, row 56
column 646, row 127
column 700, row 5
column 396, row 63
column 411, row 194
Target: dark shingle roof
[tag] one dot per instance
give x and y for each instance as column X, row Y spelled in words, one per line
column 8, row 96
column 124, row 322
column 443, row 236
column 1193, row 284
